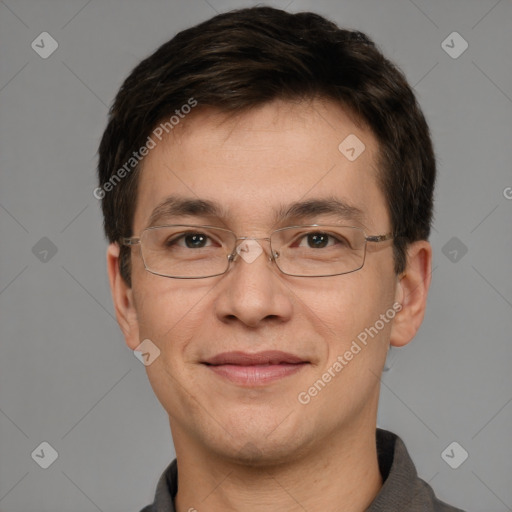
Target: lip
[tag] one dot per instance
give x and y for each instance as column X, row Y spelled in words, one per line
column 271, row 357
column 246, row 369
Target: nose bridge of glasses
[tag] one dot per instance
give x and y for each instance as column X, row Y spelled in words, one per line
column 252, row 238
column 250, row 251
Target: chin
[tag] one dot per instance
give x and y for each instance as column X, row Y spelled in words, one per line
column 258, row 444
column 260, row 454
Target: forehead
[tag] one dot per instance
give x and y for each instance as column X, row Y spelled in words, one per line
column 257, row 166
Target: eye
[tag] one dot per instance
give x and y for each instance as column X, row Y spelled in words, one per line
column 319, row 240
column 188, row 240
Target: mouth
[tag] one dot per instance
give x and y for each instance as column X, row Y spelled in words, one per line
column 257, row 369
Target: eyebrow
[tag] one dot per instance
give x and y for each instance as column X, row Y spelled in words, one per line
column 175, row 206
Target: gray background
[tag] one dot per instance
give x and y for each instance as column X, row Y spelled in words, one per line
column 66, row 376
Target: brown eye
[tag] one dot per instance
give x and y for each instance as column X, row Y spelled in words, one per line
column 320, row 240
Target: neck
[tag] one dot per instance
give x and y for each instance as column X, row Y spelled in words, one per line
column 343, row 471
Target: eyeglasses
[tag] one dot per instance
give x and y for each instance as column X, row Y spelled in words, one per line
column 187, row 251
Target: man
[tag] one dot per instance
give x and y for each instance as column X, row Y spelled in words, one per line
column 266, row 182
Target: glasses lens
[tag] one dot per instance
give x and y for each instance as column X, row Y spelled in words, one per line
column 186, row 251
column 319, row 250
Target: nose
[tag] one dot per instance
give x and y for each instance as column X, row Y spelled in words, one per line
column 249, row 249
column 253, row 291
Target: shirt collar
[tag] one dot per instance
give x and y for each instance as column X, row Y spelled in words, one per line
column 401, row 483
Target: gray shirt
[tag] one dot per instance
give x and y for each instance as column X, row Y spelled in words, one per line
column 402, row 490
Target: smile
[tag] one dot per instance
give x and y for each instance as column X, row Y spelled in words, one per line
column 258, row 369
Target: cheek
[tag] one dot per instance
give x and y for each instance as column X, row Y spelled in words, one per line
column 169, row 312
column 347, row 307
column 338, row 302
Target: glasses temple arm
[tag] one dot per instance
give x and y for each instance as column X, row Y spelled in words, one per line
column 379, row 238
column 129, row 241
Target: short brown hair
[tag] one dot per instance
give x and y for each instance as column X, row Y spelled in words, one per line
column 242, row 59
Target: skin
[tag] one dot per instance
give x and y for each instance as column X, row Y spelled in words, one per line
column 258, row 449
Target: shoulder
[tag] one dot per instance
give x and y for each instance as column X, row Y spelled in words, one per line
column 402, row 489
column 165, row 490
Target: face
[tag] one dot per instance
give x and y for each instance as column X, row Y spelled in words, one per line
column 240, row 353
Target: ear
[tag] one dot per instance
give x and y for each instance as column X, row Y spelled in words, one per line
column 122, row 296
column 412, row 292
